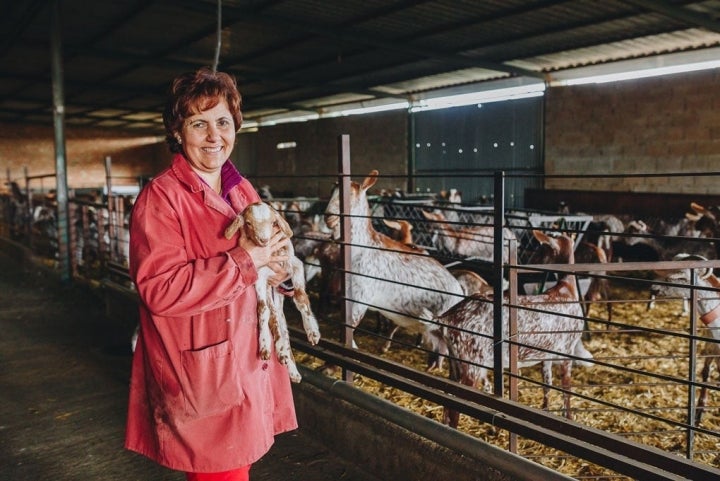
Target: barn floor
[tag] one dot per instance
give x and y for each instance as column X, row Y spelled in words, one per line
column 63, row 393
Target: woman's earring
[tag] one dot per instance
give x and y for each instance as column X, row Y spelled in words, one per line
column 179, row 139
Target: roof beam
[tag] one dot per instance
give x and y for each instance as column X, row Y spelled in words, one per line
column 678, row 13
column 236, row 14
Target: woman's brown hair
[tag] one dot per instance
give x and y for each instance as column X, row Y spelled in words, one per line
column 195, row 92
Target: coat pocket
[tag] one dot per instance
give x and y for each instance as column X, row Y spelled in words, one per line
column 212, row 380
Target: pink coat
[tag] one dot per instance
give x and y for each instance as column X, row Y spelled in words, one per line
column 201, row 399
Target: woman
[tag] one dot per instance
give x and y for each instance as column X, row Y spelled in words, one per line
column 201, row 399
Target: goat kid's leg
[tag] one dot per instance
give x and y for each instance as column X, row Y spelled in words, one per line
column 547, row 382
column 438, row 349
column 358, row 311
column 702, row 397
column 264, row 334
column 386, row 346
column 450, row 416
column 566, row 376
column 278, row 326
column 302, row 302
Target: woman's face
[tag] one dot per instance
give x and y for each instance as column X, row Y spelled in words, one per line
column 208, row 138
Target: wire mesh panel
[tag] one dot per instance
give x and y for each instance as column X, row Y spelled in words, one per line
column 474, row 223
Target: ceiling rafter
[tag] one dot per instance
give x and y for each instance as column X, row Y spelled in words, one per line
column 425, row 54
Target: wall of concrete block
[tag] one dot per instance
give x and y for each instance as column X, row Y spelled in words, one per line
column 658, row 125
column 31, row 149
column 377, row 141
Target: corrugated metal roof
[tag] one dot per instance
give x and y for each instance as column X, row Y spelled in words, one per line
column 118, row 57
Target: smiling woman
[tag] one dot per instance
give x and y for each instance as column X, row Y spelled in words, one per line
column 202, row 400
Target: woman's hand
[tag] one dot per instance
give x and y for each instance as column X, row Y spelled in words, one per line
column 273, row 255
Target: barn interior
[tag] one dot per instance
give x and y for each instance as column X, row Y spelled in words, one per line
column 543, row 114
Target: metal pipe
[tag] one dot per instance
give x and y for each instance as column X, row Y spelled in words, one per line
column 498, row 241
column 346, row 240
column 61, row 189
column 516, row 467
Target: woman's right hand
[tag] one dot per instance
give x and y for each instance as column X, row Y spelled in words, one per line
column 264, row 255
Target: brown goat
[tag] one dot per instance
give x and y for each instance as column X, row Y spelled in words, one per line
column 550, row 326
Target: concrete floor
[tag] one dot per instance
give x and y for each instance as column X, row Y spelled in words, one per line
column 63, row 394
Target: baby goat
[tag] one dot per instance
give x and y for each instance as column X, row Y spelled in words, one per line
column 708, row 309
column 259, row 221
column 550, row 326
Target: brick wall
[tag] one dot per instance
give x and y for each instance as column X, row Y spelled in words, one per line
column 377, row 141
column 32, row 147
column 658, row 125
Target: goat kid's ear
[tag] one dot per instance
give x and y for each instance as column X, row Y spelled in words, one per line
column 541, row 237
column 701, row 211
column 393, row 224
column 235, row 226
column 283, row 224
column 370, row 180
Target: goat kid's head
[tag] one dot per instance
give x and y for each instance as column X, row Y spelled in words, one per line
column 259, row 222
column 434, row 216
column 358, row 202
column 704, row 220
column 676, row 279
column 562, row 247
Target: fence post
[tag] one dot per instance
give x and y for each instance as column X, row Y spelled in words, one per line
column 61, row 189
column 512, row 332
column 692, row 365
column 109, row 202
column 345, row 241
column 498, row 338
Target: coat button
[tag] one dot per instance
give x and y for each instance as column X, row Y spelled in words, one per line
column 264, row 366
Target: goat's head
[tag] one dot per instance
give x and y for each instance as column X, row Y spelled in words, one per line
column 434, row 216
column 704, row 220
column 562, row 247
column 358, row 202
column 259, row 222
column 636, row 231
column 400, row 230
column 677, row 278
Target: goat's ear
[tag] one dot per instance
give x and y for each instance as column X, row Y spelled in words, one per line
column 541, row 237
column 393, row 224
column 599, row 252
column 234, row 227
column 697, row 208
column 283, row 224
column 370, row 179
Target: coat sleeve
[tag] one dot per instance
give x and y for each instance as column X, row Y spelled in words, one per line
column 170, row 274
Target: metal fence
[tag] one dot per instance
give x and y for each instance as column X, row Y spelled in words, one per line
column 634, row 406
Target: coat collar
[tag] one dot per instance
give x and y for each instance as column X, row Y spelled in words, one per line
column 240, row 194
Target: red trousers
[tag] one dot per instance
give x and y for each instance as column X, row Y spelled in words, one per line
column 241, row 474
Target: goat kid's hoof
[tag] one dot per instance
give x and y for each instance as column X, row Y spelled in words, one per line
column 313, row 337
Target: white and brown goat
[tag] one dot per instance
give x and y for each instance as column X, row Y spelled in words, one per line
column 400, row 282
column 550, row 327
column 675, row 284
column 259, row 222
column 475, row 241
